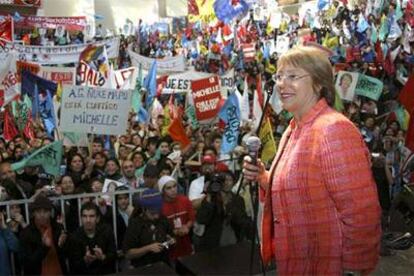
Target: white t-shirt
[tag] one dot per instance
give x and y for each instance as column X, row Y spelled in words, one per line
column 196, row 188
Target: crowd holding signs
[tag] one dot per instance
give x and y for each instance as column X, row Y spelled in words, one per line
column 173, row 100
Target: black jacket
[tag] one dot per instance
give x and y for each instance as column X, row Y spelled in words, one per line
column 33, row 251
column 77, row 249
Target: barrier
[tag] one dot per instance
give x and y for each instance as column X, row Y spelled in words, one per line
column 61, row 199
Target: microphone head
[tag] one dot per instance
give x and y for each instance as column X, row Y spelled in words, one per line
column 253, row 143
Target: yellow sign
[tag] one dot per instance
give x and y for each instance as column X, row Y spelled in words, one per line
column 268, row 142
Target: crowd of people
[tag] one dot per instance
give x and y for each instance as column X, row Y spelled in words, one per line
column 171, row 201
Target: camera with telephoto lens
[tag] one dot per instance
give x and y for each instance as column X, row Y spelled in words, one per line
column 215, row 183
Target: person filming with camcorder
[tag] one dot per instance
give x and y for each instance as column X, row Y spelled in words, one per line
column 221, row 219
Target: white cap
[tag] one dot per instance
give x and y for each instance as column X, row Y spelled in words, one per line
column 164, row 180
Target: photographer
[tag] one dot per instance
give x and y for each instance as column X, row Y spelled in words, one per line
column 221, row 218
column 149, row 235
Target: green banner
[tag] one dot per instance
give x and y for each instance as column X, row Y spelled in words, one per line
column 49, row 157
column 369, row 87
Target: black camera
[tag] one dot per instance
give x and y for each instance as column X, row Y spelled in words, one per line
column 215, row 183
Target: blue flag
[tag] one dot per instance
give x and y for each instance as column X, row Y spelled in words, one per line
column 142, row 115
column 150, row 83
column 28, row 84
column 47, row 113
column 230, row 114
column 225, row 11
column 322, row 4
column 35, row 101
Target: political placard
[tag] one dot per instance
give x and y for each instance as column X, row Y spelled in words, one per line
column 369, row 87
column 206, row 96
column 95, row 110
column 345, row 85
column 64, row 75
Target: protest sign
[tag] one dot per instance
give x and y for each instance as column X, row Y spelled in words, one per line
column 9, row 81
column 72, row 23
column 345, row 84
column 95, row 110
column 268, row 142
column 282, row 44
column 165, row 65
column 206, row 96
column 56, row 54
column 369, row 87
column 49, row 157
column 110, row 185
column 181, row 83
column 119, row 79
column 65, row 75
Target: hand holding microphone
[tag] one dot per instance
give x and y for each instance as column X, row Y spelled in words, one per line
column 252, row 166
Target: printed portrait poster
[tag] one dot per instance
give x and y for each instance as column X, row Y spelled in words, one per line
column 282, row 44
column 345, row 85
column 110, row 185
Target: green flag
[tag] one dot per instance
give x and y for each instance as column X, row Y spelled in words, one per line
column 191, row 114
column 136, row 94
column 369, row 87
column 49, row 157
column 374, row 34
column 384, row 28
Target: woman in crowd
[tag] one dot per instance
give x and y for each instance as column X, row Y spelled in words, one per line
column 320, row 182
column 112, row 169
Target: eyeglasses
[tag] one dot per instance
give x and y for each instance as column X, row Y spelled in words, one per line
column 289, row 78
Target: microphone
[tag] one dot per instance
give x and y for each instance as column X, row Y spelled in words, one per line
column 253, row 144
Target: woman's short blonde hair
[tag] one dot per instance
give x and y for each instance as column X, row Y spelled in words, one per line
column 316, row 63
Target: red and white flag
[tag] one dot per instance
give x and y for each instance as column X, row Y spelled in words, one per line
column 9, row 81
column 249, row 51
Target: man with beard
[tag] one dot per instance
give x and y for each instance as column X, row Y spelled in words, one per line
column 128, row 172
column 198, row 186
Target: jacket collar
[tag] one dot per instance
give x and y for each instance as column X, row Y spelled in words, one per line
column 311, row 115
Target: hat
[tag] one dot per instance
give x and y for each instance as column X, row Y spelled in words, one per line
column 150, row 199
column 208, row 159
column 163, row 181
column 41, row 202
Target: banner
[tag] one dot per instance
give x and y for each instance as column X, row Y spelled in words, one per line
column 49, row 157
column 65, row 75
column 165, row 65
column 369, row 87
column 9, row 82
column 181, row 83
column 73, row 23
column 24, row 3
column 56, row 54
column 345, row 85
column 95, row 110
column 206, row 96
column 31, row 67
column 268, row 142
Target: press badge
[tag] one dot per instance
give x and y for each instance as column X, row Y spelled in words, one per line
column 177, row 223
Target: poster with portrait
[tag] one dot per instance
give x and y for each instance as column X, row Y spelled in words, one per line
column 282, row 44
column 110, row 185
column 345, row 84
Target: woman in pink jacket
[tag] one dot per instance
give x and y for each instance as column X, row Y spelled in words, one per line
column 321, row 213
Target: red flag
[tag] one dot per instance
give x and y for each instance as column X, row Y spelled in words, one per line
column 9, row 128
column 177, row 132
column 389, row 66
column 249, row 51
column 6, row 30
column 407, row 94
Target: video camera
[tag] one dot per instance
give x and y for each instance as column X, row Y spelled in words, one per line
column 215, row 183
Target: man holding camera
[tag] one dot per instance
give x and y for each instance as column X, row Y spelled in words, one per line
column 92, row 246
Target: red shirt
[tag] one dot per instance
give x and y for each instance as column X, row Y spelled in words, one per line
column 179, row 212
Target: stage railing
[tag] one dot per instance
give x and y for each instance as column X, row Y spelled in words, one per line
column 60, row 201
